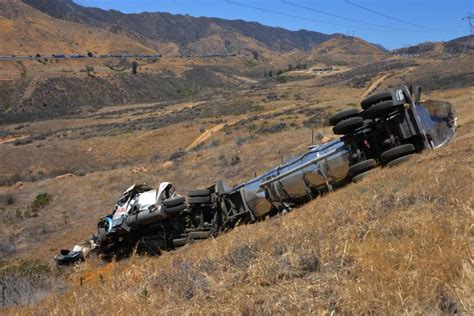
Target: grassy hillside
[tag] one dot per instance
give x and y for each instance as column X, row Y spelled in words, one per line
column 397, row 242
column 26, row 31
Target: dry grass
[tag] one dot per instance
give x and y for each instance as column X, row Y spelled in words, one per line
column 398, row 245
column 397, row 242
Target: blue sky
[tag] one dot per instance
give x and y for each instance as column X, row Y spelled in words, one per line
column 403, row 22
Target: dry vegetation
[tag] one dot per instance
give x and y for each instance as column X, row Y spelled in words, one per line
column 397, row 242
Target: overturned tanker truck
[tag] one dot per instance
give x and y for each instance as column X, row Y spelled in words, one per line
column 391, row 127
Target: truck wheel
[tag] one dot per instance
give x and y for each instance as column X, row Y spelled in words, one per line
column 397, row 152
column 179, row 242
column 174, row 201
column 361, row 176
column 376, row 98
column 399, row 161
column 175, row 209
column 199, row 235
column 199, row 200
column 343, row 115
column 361, row 167
column 380, row 110
column 348, row 126
column 199, row 193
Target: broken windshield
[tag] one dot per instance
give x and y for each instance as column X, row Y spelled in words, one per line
column 439, row 121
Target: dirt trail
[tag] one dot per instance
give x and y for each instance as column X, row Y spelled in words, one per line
column 377, row 82
column 208, row 133
column 211, row 131
column 374, row 85
column 12, row 139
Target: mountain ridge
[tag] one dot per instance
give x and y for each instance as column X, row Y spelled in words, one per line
column 151, row 27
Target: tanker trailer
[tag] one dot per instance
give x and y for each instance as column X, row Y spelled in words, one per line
column 391, row 127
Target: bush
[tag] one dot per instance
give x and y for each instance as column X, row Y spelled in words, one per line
column 281, row 79
column 235, row 160
column 41, row 201
column 24, row 282
column 177, row 155
column 7, row 199
column 275, row 128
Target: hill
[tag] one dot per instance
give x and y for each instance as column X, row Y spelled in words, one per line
column 188, row 33
column 453, row 47
column 396, row 242
column 26, row 31
column 62, row 27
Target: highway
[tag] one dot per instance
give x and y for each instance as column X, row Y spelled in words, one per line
column 93, row 56
column 73, row 56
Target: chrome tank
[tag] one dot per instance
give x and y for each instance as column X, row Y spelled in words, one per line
column 296, row 179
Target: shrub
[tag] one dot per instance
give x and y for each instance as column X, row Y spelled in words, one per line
column 41, row 201
column 275, row 128
column 177, row 155
column 24, row 282
column 7, row 199
column 234, row 160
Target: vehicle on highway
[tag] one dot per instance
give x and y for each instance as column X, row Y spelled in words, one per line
column 392, row 127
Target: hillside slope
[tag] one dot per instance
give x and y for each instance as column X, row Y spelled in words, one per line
column 155, row 29
column 397, row 242
column 26, row 31
column 459, row 45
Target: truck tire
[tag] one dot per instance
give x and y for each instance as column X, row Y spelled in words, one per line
column 376, row 98
column 361, row 167
column 348, row 125
column 199, row 235
column 175, row 209
column 101, row 237
column 361, row 176
column 380, row 110
column 179, row 242
column 399, row 161
column 343, row 115
column 199, row 200
column 174, row 201
column 199, row 193
column 397, row 152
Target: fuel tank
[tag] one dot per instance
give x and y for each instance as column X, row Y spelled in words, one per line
column 296, row 180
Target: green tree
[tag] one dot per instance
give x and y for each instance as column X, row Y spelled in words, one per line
column 255, row 54
column 134, row 67
column 281, row 79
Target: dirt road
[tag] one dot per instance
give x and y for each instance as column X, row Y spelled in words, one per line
column 377, row 82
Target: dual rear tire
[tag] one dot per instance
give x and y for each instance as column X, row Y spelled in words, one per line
column 174, row 205
column 199, row 197
column 346, row 121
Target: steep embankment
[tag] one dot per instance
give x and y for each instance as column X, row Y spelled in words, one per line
column 397, row 242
